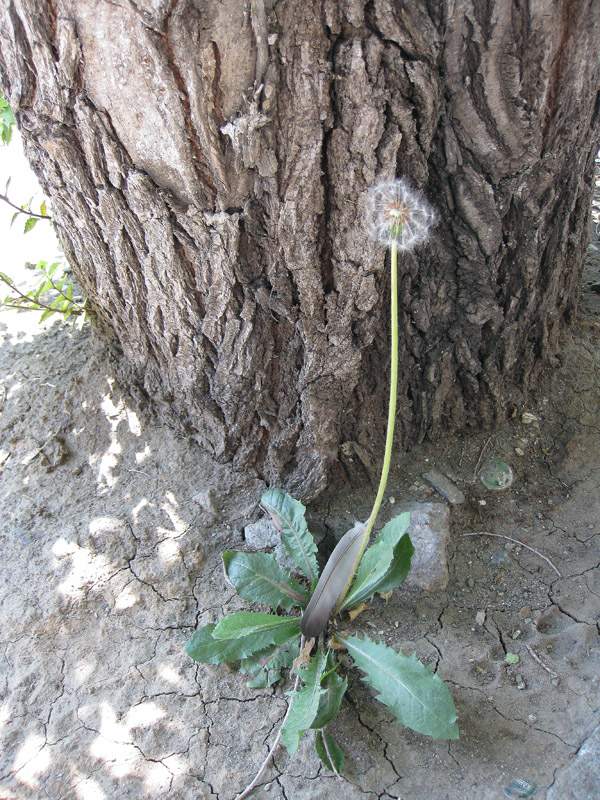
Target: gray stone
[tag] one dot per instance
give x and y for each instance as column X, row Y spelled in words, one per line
column 445, row 487
column 581, row 778
column 264, row 534
column 261, row 534
column 429, row 531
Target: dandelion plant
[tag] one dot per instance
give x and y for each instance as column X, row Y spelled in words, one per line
column 267, row 643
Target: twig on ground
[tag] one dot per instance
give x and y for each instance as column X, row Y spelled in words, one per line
column 516, row 541
column 481, row 454
column 536, row 658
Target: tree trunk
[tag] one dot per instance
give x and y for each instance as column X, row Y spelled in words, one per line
column 208, row 165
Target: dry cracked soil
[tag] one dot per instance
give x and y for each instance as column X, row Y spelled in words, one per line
column 111, row 537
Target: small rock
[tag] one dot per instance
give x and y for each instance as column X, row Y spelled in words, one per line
column 519, row 451
column 445, row 487
column 524, row 612
column 429, row 531
column 527, row 418
column 532, row 718
column 206, row 499
column 470, row 583
column 520, row 682
column 480, row 617
column 262, row 534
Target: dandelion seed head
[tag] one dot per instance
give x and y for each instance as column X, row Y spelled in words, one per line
column 398, row 214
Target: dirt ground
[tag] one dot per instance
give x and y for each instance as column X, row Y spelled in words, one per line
column 112, row 529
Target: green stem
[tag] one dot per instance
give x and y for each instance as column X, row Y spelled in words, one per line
column 389, row 439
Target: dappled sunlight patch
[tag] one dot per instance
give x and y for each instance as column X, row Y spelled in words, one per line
column 115, row 745
column 89, row 789
column 170, row 507
column 87, row 568
column 32, row 760
column 5, row 715
column 82, row 671
column 170, row 675
column 126, row 599
column 169, row 551
column 115, row 414
column 143, row 454
column 144, row 714
column 135, row 511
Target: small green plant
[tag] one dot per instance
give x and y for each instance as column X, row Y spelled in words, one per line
column 52, row 294
column 7, row 121
column 267, row 643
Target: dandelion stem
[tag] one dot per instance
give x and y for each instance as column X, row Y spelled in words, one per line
column 389, row 440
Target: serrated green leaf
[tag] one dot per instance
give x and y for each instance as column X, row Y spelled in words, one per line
column 29, row 224
column 255, row 623
column 304, row 703
column 417, row 697
column 7, row 279
column 334, row 687
column 327, row 747
column 206, row 649
column 265, row 667
column 377, row 561
column 259, row 578
column 288, row 515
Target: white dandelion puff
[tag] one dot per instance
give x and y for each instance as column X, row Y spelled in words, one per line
column 399, row 215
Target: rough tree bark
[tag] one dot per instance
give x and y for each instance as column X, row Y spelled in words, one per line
column 208, row 164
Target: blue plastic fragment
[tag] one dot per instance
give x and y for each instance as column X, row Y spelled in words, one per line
column 520, row 788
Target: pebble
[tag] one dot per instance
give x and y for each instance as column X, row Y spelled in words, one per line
column 445, row 487
column 519, row 451
column 480, row 617
column 524, row 612
column 470, row 583
column 527, row 418
column 520, row 682
column 206, row 499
